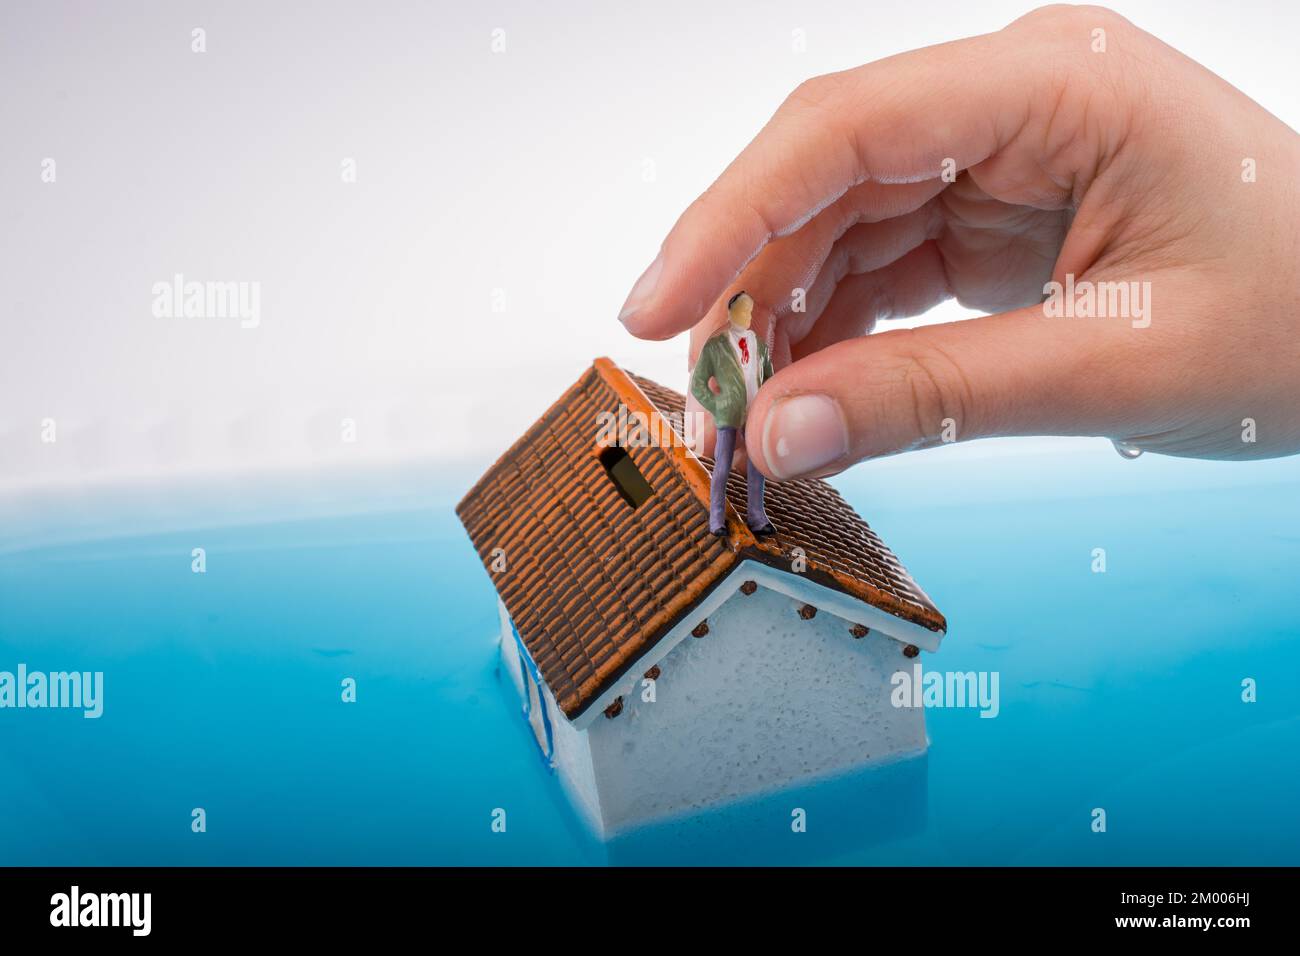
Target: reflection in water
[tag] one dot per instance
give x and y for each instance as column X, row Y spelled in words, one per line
column 843, row 815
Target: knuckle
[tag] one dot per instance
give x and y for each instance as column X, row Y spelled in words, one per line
column 811, row 92
column 820, row 93
column 939, row 390
column 1064, row 18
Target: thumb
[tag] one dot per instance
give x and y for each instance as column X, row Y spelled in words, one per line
column 1016, row 373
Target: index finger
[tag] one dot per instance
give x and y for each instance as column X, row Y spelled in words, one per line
column 893, row 121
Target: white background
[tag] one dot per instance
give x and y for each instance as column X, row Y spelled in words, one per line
column 521, row 171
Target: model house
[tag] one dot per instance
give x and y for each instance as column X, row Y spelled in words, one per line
column 663, row 669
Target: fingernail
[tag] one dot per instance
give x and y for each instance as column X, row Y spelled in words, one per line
column 643, row 290
column 804, row 434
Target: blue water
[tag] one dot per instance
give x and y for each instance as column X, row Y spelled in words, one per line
column 1119, row 690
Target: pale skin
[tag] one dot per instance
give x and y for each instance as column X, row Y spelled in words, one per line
column 1135, row 164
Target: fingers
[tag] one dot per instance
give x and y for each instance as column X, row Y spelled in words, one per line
column 867, row 228
column 866, row 248
column 889, row 122
column 909, row 286
column 1032, row 98
column 1017, row 373
column 792, row 277
column 813, row 263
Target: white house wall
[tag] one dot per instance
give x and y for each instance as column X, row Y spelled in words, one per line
column 510, row 653
column 572, row 762
column 571, row 757
column 764, row 699
column 795, row 586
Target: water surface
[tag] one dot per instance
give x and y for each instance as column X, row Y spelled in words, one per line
column 1120, row 690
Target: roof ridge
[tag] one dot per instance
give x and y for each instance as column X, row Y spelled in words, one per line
column 687, row 463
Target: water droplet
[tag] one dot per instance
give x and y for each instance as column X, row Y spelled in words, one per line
column 1126, row 450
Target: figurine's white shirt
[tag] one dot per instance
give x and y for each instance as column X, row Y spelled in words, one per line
column 748, row 359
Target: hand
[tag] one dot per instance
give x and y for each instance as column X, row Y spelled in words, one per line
column 1131, row 165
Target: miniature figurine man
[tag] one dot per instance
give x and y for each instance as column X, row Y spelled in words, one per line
column 739, row 362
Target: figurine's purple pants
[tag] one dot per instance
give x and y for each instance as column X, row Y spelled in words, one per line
column 722, row 455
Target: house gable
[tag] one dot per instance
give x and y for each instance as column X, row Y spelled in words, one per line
column 594, row 571
column 765, row 697
column 743, row 581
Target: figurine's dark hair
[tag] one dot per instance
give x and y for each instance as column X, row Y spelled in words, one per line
column 732, row 300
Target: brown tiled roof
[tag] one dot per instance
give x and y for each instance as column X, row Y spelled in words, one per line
column 592, row 583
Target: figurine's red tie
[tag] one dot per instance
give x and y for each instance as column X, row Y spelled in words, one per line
column 744, row 351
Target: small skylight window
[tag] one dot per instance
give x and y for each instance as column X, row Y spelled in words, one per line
column 625, row 475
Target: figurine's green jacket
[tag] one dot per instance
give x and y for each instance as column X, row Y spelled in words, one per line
column 718, row 359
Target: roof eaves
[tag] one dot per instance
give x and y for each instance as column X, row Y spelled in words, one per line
column 769, row 553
